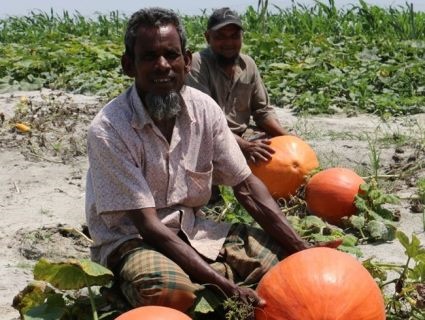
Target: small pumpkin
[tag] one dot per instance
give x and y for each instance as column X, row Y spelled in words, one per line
column 330, row 193
column 22, row 127
column 153, row 313
column 319, row 283
column 292, row 161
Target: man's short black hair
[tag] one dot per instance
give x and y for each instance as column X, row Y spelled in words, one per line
column 152, row 17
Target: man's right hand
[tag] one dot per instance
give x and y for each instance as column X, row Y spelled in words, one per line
column 245, row 295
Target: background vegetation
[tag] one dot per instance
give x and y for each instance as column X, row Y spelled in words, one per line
column 316, row 59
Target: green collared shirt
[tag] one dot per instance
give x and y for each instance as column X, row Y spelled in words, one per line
column 241, row 97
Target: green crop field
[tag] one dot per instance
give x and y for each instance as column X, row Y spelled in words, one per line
column 313, row 59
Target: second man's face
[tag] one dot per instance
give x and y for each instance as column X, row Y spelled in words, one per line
column 226, row 41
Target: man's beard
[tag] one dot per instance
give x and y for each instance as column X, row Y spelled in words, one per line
column 225, row 61
column 163, row 107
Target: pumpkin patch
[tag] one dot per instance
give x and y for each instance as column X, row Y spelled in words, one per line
column 330, row 194
column 292, row 161
column 319, row 283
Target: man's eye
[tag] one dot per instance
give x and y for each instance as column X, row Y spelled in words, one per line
column 172, row 56
column 148, row 57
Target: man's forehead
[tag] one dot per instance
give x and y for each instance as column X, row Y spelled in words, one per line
column 146, row 34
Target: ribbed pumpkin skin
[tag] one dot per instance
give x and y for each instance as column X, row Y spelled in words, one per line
column 330, row 194
column 153, row 313
column 285, row 172
column 320, row 284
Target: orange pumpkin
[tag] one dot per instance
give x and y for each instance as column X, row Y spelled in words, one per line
column 330, row 194
column 153, row 313
column 286, row 171
column 320, row 283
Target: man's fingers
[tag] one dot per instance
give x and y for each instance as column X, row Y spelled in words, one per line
column 264, row 145
column 249, row 296
column 261, row 156
column 265, row 141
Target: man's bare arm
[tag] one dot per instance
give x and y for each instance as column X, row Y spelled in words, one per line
column 273, row 127
column 256, row 199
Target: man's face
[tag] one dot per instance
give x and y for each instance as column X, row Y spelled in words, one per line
column 225, row 42
column 159, row 65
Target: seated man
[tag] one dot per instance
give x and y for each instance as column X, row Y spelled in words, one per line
column 154, row 152
column 232, row 79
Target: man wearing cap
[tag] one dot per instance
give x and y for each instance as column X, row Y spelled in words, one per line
column 232, row 79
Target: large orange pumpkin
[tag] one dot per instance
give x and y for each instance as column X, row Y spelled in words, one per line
column 330, row 194
column 153, row 313
column 320, row 283
column 286, row 171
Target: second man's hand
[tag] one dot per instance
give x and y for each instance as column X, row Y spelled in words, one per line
column 256, row 151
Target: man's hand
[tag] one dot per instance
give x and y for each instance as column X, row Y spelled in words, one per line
column 256, row 151
column 246, row 295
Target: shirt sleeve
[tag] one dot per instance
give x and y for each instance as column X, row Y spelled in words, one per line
column 199, row 75
column 260, row 103
column 117, row 179
column 230, row 166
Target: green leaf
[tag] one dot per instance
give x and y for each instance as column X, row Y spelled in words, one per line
column 72, row 273
column 349, row 240
column 313, row 221
column 418, row 273
column 376, row 271
column 350, row 249
column 45, row 311
column 402, row 237
column 32, row 295
column 379, row 230
column 415, row 247
column 420, row 257
column 357, row 222
column 206, row 301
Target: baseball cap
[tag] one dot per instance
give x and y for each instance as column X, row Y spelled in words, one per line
column 222, row 17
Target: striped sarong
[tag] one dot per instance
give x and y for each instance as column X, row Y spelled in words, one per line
column 147, row 277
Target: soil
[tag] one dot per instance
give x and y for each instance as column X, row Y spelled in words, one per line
column 43, row 175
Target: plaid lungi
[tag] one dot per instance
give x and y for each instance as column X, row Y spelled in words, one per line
column 147, row 277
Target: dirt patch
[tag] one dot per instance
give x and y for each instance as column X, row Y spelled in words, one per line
column 43, row 175
column 53, row 243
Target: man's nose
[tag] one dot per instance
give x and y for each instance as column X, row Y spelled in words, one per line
column 162, row 63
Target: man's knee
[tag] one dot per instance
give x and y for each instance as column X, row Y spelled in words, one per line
column 141, row 295
column 163, row 283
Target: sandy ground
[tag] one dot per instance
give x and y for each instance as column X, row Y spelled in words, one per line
column 42, row 185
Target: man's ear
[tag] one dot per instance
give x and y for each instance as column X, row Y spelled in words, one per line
column 127, row 64
column 187, row 61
